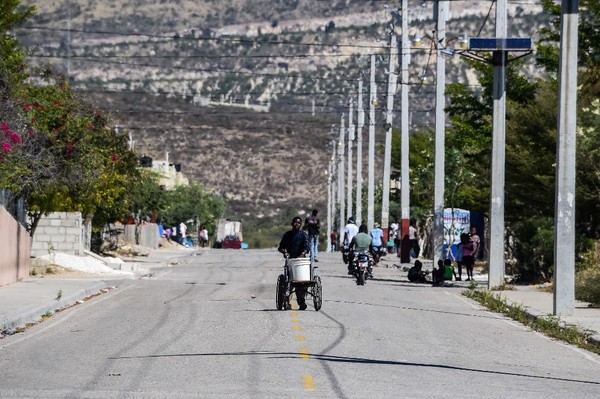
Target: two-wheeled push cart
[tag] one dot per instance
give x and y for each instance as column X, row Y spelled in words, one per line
column 298, row 274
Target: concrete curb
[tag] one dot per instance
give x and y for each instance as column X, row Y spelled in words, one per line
column 533, row 314
column 34, row 315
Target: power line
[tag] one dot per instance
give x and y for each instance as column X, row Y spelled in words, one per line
column 201, row 38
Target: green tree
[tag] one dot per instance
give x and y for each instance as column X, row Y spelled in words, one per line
column 146, row 196
column 193, row 203
column 469, row 140
column 73, row 161
column 12, row 57
column 588, row 137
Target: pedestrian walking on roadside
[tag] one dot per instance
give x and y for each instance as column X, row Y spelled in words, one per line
column 394, row 226
column 468, row 258
column 476, row 243
column 464, row 237
column 312, row 225
column 334, row 238
column 203, row 236
column 413, row 237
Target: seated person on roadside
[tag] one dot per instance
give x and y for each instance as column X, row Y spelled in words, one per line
column 359, row 243
column 448, row 270
column 438, row 274
column 416, row 274
column 294, row 244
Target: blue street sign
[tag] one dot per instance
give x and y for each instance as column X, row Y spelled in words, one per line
column 495, row 43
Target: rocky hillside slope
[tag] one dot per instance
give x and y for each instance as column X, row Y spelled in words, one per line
column 244, row 93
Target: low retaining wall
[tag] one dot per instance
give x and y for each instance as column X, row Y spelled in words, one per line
column 15, row 246
column 59, row 232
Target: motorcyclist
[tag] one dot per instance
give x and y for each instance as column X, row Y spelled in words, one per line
column 359, row 243
column 350, row 230
column 377, row 247
column 294, row 244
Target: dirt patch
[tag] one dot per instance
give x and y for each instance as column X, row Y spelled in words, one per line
column 55, row 271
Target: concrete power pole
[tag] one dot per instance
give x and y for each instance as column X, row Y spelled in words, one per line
column 442, row 10
column 359, row 155
column 564, row 236
column 350, row 159
column 387, row 159
column 330, row 195
column 371, row 171
column 404, row 147
column 341, row 188
column 496, row 273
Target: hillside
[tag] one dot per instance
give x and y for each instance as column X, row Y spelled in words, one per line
column 242, row 93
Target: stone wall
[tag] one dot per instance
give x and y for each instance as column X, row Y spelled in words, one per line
column 15, row 244
column 59, row 232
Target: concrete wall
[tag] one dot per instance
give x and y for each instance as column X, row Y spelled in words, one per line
column 15, row 245
column 59, row 232
column 145, row 235
column 66, row 232
column 149, row 237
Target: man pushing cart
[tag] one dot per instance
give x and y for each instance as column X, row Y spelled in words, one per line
column 298, row 274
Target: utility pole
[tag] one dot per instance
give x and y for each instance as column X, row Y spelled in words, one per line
column 496, row 273
column 359, row 156
column 330, row 195
column 371, row 171
column 404, row 147
column 68, row 40
column 442, row 10
column 387, row 159
column 341, row 188
column 564, row 236
column 350, row 159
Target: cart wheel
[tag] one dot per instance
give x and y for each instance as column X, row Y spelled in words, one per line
column 280, row 292
column 317, row 292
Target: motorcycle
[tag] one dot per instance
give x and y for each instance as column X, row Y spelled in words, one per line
column 362, row 267
column 377, row 253
column 345, row 254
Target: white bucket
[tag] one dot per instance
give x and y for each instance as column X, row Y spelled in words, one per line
column 300, row 268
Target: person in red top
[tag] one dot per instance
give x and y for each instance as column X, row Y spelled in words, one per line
column 334, row 242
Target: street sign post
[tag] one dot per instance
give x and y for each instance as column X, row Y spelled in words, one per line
column 500, row 44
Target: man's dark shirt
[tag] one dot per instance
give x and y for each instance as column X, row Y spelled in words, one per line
column 294, row 242
column 312, row 225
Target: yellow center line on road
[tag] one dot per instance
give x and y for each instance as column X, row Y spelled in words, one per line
column 296, row 328
column 295, row 321
column 300, row 338
column 304, row 354
column 307, row 380
column 294, row 314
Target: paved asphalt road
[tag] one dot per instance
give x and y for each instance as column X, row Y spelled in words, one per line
column 207, row 328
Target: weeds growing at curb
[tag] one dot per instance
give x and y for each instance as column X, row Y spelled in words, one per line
column 549, row 325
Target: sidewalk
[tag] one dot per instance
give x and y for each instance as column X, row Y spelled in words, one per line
column 534, row 301
column 537, row 303
column 30, row 300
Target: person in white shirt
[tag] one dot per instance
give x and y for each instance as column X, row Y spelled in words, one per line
column 350, row 231
column 183, row 232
